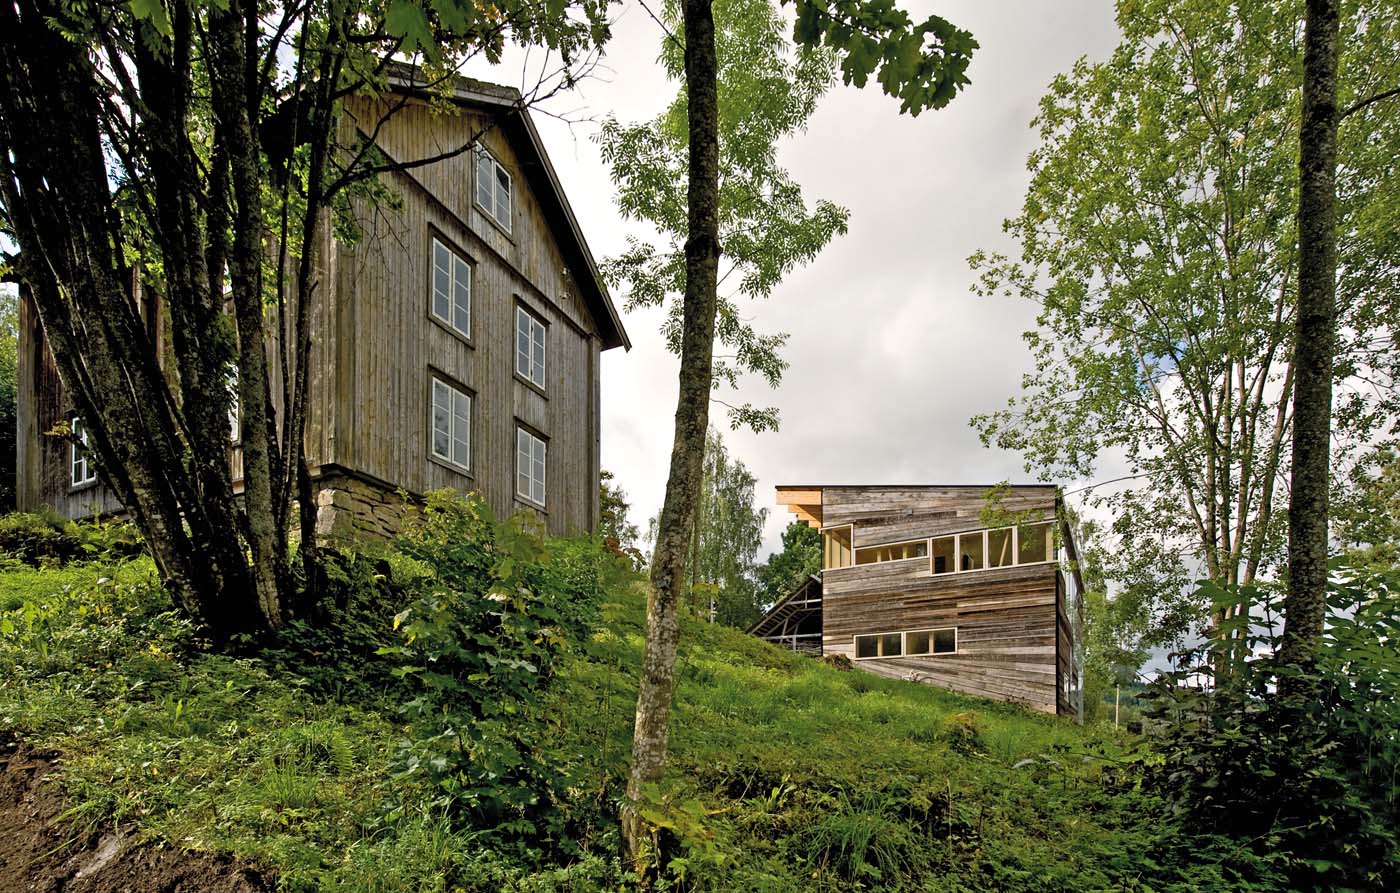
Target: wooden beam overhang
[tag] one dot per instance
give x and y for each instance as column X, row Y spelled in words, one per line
column 804, row 502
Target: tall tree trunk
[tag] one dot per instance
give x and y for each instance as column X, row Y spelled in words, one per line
column 668, row 570
column 1305, row 603
column 235, row 104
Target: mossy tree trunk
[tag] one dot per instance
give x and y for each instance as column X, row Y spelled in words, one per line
column 1305, row 604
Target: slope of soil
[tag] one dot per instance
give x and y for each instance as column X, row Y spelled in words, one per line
column 42, row 853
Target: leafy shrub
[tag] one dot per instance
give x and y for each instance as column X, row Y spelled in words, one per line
column 46, row 538
column 1310, row 791
column 490, row 609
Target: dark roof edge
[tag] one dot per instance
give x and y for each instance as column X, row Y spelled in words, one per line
column 481, row 93
column 912, row 486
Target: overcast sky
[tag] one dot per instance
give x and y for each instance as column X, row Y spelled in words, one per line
column 890, row 350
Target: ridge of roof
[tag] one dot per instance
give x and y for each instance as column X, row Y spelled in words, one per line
column 520, row 129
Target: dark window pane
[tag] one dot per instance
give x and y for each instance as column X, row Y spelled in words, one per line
column 890, row 645
column 943, row 555
column 918, row 643
column 1034, row 543
column 866, row 646
column 945, row 641
column 971, row 546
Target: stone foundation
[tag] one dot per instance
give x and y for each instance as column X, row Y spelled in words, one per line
column 348, row 508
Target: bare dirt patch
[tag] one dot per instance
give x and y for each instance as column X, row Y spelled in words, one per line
column 40, row 853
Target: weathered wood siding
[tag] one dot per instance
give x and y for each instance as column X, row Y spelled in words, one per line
column 43, row 474
column 390, row 344
column 376, row 344
column 891, row 514
column 1006, row 618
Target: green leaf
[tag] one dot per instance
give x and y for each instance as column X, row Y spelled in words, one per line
column 153, row 12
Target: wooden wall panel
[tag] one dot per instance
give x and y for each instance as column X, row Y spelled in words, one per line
column 417, row 130
column 43, row 474
column 1005, row 620
column 890, row 514
column 383, row 428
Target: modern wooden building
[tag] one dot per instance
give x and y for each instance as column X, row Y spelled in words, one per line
column 916, row 584
column 456, row 344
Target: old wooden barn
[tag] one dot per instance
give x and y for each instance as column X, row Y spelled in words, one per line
column 917, row 584
column 456, row 344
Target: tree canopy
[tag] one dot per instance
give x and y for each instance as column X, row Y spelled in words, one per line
column 1158, row 238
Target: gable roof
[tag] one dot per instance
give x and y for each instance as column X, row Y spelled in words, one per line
column 513, row 118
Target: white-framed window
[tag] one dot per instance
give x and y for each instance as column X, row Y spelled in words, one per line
column 450, row 299
column 931, row 641
column 450, row 420
column 909, row 643
column 235, row 407
column 493, row 188
column 529, row 466
column 80, row 465
column 892, row 552
column 529, row 346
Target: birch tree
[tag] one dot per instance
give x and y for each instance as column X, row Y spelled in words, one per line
column 1159, row 239
column 740, row 94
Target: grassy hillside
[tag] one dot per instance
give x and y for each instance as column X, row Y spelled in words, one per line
column 785, row 774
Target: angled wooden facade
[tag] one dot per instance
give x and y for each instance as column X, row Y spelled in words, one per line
column 915, row 585
column 388, row 359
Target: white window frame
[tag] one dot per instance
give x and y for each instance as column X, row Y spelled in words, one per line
column 484, row 159
column 457, row 263
column 235, row 408
column 526, row 443
column 903, row 643
column 855, row 553
column 81, row 470
column 536, row 333
column 441, row 386
column 1049, row 542
column 931, row 632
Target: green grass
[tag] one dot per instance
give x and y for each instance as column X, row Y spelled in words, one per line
column 785, row 774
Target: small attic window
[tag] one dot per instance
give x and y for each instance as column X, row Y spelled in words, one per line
column 493, row 188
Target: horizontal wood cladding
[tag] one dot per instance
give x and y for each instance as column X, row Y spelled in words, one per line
column 391, row 345
column 890, row 514
column 916, row 574
column 1006, row 622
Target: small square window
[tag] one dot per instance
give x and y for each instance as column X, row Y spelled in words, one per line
column 891, row 645
column 867, row 646
column 451, row 298
column 493, row 188
column 451, row 424
column 529, row 466
column 529, row 346
column 1033, row 543
column 945, row 641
